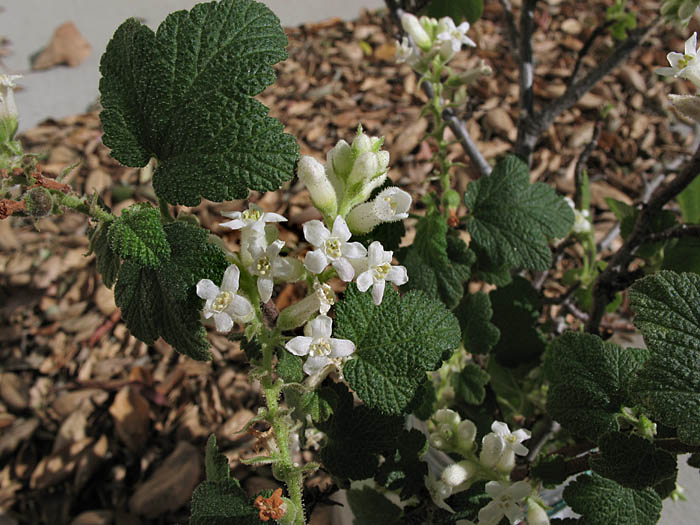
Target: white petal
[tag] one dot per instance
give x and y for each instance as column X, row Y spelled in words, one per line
column 345, row 270
column 230, row 280
column 240, row 307
column 314, row 365
column 500, row 428
column 378, row 291
column 491, row 513
column 522, row 435
column 673, row 59
column 691, row 45
column 340, row 229
column 315, row 232
column 235, row 224
column 273, row 217
column 300, row 345
column 274, row 249
column 265, row 289
column 512, row 511
column 519, row 490
column 341, row 347
column 519, row 449
column 397, row 275
column 495, row 488
column 354, row 250
column 207, row 289
column 283, row 269
column 375, row 253
column 665, row 71
column 322, row 326
column 223, row 321
column 232, row 214
column 364, row 281
column 315, row 261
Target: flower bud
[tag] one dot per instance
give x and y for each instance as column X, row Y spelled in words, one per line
column 365, row 168
column 466, row 432
column 339, row 159
column 492, row 448
column 362, row 219
column 312, row 173
column 416, row 31
column 383, row 157
column 446, row 415
column 437, row 441
column 362, row 143
column 458, row 473
column 536, row 515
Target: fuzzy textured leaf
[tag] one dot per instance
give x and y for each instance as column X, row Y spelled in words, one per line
column 396, row 343
column 183, row 96
column 479, row 334
column 220, row 499
column 602, row 501
column 470, row 384
column 667, row 308
column 356, row 436
column 163, row 302
column 290, row 367
column 138, row 234
column 369, row 507
column 590, row 382
column 108, row 262
column 511, row 220
column 404, row 469
column 633, row 461
column 438, row 263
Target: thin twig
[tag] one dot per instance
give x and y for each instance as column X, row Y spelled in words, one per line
column 598, row 31
column 616, row 277
column 583, row 161
column 530, row 129
column 527, row 70
column 510, row 22
column 682, row 230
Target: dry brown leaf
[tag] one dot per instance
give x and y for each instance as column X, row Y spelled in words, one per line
column 60, row 465
column 14, row 391
column 171, row 485
column 408, row 138
column 132, row 418
column 67, row 46
column 19, row 432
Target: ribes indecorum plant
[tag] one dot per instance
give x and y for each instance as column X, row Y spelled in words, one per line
column 413, row 392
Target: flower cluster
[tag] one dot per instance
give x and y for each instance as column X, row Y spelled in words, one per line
column 432, row 37
column 582, row 221
column 495, row 460
column 686, row 66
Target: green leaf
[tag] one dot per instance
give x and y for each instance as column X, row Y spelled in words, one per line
column 108, row 262
column 689, row 201
column 683, row 255
column 369, row 507
column 602, row 501
column 437, row 263
column 220, row 499
column 668, row 315
column 183, row 96
column 470, row 384
column 551, row 470
column 627, row 215
column 423, row 403
column 506, row 384
column 516, row 308
column 633, row 461
column 511, row 220
column 357, row 435
column 478, row 333
column 318, row 403
column 590, row 382
column 396, row 343
column 163, row 302
column 138, row 234
column 289, row 367
column 388, row 233
column 404, row 471
column 456, row 9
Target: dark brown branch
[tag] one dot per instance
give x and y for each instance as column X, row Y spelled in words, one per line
column 510, row 22
column 582, row 162
column 683, row 230
column 598, row 31
column 526, row 67
column 616, row 276
column 530, row 129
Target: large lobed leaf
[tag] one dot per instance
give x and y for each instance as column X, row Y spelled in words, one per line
column 183, row 96
column 396, row 343
column 667, row 308
column 162, row 302
column 138, row 234
column 590, row 382
column 602, row 501
column 511, row 220
column 437, row 263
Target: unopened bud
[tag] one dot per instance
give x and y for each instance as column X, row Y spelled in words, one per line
column 339, row 159
column 492, row 448
column 312, row 173
column 362, row 143
column 362, row 219
column 365, row 168
column 414, row 28
column 466, row 432
column 458, row 473
column 536, row 515
column 446, row 415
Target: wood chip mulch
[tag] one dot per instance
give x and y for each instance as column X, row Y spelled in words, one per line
column 99, row 428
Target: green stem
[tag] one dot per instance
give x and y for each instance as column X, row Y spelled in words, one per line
column 80, row 204
column 165, row 211
column 285, row 469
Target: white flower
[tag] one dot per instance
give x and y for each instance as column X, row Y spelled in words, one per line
column 8, row 108
column 295, row 315
column 513, row 440
column 326, row 296
column 506, row 498
column 268, row 266
column 439, row 491
column 582, row 223
column 451, row 37
column 331, row 247
column 321, row 348
column 408, row 53
column 379, row 270
column 224, row 304
column 416, row 31
column 684, row 65
column 391, row 205
column 252, row 219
